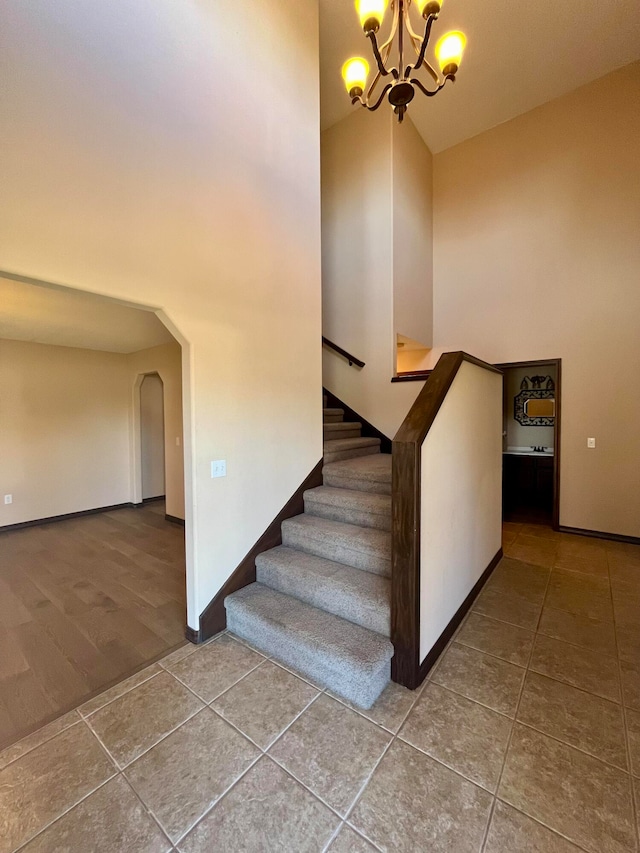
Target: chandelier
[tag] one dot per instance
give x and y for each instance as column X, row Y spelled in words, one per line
column 401, row 89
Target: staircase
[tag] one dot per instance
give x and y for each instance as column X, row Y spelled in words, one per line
column 321, row 601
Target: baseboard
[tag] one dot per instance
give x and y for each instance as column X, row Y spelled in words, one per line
column 192, row 635
column 67, row 516
column 151, row 500
column 368, row 430
column 213, row 619
column 174, row 519
column 597, row 534
column 459, row 615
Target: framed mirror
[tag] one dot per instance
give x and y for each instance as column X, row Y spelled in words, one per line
column 535, row 404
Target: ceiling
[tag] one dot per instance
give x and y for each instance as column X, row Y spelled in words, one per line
column 71, row 318
column 519, row 55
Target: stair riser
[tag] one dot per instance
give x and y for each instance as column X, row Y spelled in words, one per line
column 331, row 549
column 350, row 432
column 358, row 485
column 353, row 686
column 338, row 455
column 350, row 515
column 372, row 615
column 332, row 419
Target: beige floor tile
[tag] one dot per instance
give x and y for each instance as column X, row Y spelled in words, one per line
column 594, row 564
column 496, row 638
column 513, row 832
column 585, row 595
column 348, row 841
column 528, row 551
column 483, row 678
column 624, row 571
column 633, row 733
column 580, row 546
column 507, row 608
column 630, row 672
column 133, row 723
column 119, row 690
column 636, row 791
column 184, row 775
column 332, row 750
column 626, row 606
column 465, row 736
column 580, row 719
column 42, row 735
column 390, row 708
column 266, row 811
column 513, row 577
column 414, row 803
column 178, row 655
column 629, row 641
column 578, row 630
column 581, row 668
column 264, row 703
column 541, row 531
column 111, row 819
column 216, row 667
column 511, row 527
column 572, row 793
column 44, row 783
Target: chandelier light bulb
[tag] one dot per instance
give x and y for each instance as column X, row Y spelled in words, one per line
column 371, row 13
column 449, row 50
column 354, row 74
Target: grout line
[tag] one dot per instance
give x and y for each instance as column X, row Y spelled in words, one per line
column 513, row 724
column 147, row 809
column 41, row 743
column 542, row 823
column 85, row 716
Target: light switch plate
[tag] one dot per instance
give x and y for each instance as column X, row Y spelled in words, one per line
column 591, row 442
column 219, row 468
column 8, row 499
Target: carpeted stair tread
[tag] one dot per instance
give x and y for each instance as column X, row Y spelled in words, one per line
column 360, row 547
column 342, row 426
column 368, row 509
column 359, row 597
column 364, row 473
column 331, row 416
column 348, row 448
column 349, row 659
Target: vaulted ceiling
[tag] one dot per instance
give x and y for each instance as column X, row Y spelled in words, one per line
column 519, row 55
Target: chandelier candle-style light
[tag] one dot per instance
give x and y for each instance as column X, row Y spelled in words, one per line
column 402, row 88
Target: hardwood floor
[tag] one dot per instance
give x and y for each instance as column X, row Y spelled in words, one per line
column 83, row 604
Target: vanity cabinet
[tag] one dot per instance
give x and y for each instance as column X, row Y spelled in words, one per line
column 527, row 487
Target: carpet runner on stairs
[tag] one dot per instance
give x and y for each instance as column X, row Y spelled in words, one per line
column 321, row 601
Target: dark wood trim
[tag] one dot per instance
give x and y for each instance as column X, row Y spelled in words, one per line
column 458, row 616
column 174, row 519
column 405, row 523
column 368, row 429
column 412, row 376
column 67, row 516
column 151, row 500
column 557, row 363
column 213, row 619
column 598, row 534
column 350, row 358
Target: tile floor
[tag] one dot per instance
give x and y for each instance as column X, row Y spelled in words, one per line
column 525, row 737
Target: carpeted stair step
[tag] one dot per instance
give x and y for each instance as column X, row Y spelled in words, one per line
column 344, row 429
column 352, row 594
column 364, row 474
column 349, row 505
column 348, row 659
column 348, row 448
column 332, row 416
column 360, row 547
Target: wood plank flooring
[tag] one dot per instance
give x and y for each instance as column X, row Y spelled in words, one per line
column 84, row 603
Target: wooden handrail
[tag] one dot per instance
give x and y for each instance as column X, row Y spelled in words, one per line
column 405, row 526
column 350, row 358
column 412, row 376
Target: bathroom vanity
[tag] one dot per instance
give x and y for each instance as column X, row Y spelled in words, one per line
column 527, row 484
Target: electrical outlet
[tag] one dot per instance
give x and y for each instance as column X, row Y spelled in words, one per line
column 8, row 499
column 219, row 468
column 591, row 442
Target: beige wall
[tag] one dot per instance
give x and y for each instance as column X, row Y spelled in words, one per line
column 461, row 501
column 70, row 428
column 359, row 183
column 412, row 200
column 64, row 430
column 166, row 361
column 133, row 168
column 537, row 255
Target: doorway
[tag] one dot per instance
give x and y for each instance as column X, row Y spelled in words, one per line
column 152, row 445
column 531, row 441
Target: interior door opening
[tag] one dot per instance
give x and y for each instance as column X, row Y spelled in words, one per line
column 152, row 444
